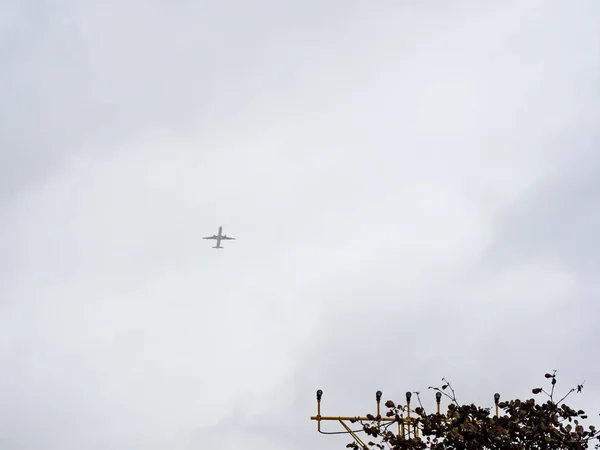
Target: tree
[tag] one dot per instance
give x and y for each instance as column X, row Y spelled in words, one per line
column 517, row 425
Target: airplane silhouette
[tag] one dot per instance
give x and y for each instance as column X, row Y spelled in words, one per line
column 219, row 237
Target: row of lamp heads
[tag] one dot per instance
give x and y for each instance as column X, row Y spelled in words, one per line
column 438, row 396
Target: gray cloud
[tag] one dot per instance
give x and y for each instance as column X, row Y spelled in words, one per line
column 399, row 179
column 560, row 218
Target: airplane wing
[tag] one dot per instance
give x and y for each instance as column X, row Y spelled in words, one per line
column 227, row 238
column 214, row 236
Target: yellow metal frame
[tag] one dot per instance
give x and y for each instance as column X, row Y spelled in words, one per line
column 407, row 426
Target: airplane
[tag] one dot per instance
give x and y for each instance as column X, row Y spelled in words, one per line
column 219, row 237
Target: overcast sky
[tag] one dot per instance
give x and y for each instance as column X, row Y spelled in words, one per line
column 413, row 185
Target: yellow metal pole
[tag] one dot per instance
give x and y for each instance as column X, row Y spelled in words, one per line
column 408, row 395
column 378, row 400
column 319, row 395
column 496, row 401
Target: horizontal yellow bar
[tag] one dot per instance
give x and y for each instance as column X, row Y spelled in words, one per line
column 383, row 419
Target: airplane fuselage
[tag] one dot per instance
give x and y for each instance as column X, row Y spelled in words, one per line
column 219, row 237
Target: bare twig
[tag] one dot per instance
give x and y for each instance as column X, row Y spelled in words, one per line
column 419, row 399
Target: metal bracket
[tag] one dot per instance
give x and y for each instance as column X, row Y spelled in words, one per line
column 407, row 426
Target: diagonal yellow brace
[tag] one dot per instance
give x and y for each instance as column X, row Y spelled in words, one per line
column 353, row 434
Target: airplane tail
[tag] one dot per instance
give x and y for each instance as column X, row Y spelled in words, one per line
column 217, row 247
